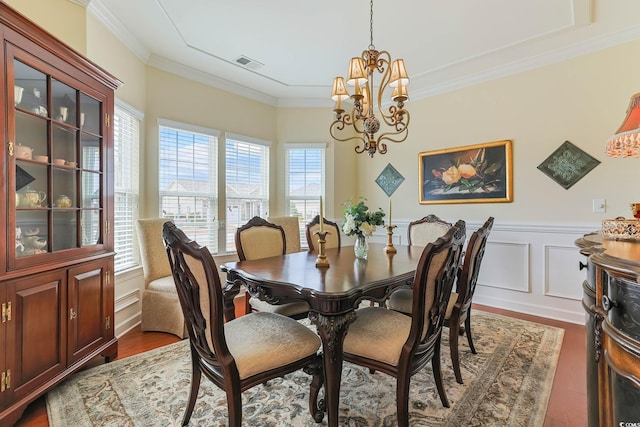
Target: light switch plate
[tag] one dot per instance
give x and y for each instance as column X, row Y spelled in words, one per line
column 599, row 205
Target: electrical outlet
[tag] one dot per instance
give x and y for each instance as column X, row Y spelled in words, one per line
column 599, row 205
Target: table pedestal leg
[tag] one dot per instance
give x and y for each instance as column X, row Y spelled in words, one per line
column 332, row 330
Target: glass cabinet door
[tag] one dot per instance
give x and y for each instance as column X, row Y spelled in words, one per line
column 55, row 147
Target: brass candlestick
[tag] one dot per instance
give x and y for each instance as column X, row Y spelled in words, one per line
column 322, row 260
column 390, row 249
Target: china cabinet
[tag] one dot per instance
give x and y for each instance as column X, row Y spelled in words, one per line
column 56, row 254
column 612, row 303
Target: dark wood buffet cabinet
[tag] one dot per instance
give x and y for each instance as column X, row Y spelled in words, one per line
column 56, row 208
column 612, row 303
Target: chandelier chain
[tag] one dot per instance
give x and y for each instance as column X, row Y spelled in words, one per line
column 371, row 46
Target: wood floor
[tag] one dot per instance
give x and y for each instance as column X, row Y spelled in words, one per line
column 567, row 404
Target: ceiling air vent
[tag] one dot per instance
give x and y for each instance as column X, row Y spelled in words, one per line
column 249, row 63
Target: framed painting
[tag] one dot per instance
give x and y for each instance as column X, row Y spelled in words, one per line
column 481, row 173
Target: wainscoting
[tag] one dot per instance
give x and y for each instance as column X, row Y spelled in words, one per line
column 527, row 268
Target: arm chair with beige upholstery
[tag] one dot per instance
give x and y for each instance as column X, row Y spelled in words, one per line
column 243, row 352
column 291, row 227
column 459, row 318
column 332, row 238
column 258, row 239
column 399, row 345
column 160, row 305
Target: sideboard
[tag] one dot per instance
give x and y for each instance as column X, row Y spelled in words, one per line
column 612, row 303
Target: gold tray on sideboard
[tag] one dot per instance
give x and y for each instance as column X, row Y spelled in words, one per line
column 621, row 229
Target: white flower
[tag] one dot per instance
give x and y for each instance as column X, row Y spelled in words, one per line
column 349, row 225
column 367, row 228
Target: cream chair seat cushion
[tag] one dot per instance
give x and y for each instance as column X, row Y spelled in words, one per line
column 283, row 340
column 388, row 329
column 163, row 284
column 402, row 299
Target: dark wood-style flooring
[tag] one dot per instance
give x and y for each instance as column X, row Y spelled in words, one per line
column 567, row 404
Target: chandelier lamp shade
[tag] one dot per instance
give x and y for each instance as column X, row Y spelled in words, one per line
column 372, row 113
column 626, row 141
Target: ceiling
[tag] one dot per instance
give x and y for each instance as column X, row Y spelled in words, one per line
column 297, row 47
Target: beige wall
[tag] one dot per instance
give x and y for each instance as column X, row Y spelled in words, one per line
column 582, row 100
column 62, row 18
column 309, row 125
column 175, row 98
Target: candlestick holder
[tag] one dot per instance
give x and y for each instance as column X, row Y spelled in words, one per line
column 322, row 260
column 390, row 249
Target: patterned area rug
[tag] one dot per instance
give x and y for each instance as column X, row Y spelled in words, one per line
column 506, row 384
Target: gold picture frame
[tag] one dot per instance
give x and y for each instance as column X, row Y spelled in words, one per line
column 481, row 173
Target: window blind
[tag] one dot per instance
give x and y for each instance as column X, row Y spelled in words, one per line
column 126, row 127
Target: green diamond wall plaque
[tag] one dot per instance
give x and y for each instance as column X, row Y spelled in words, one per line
column 389, row 179
column 568, row 164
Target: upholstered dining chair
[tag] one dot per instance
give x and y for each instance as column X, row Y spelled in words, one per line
column 426, row 230
column 399, row 345
column 258, row 239
column 160, row 305
column 332, row 238
column 243, row 352
column 291, row 227
column 458, row 314
column 459, row 320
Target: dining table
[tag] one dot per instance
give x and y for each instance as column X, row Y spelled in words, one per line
column 333, row 293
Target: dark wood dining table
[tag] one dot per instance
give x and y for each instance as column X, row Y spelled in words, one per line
column 333, row 293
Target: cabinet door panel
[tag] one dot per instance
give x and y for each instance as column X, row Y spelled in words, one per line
column 35, row 335
column 88, row 319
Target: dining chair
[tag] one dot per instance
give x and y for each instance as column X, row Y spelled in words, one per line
column 458, row 314
column 257, row 239
column 244, row 352
column 426, row 230
column 419, row 233
column 399, row 345
column 459, row 319
column 160, row 305
column 291, row 227
column 332, row 238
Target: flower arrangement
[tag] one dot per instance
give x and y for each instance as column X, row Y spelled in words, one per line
column 359, row 220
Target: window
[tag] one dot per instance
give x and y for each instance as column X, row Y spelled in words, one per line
column 304, row 182
column 126, row 146
column 246, row 182
column 188, row 180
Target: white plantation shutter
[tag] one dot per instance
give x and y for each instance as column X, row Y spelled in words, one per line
column 188, row 180
column 247, row 182
column 126, row 127
column 304, row 182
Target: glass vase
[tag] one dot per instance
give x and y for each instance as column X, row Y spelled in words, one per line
column 361, row 248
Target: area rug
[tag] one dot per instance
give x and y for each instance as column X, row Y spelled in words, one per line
column 506, row 384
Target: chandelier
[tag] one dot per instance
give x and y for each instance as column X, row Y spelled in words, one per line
column 393, row 123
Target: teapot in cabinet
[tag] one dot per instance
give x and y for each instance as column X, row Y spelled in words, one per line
column 23, row 152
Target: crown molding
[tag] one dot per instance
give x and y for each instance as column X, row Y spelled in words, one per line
column 98, row 9
column 83, row 3
column 208, row 79
column 557, row 55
